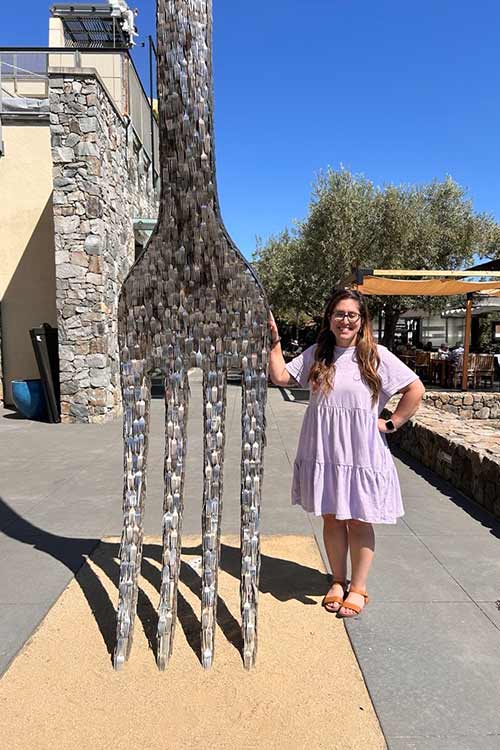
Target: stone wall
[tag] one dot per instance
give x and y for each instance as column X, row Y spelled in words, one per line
column 465, row 453
column 467, row 405
column 102, row 180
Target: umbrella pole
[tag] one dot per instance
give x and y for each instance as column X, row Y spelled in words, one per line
column 468, row 318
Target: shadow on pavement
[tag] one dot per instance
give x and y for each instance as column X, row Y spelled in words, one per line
column 457, row 497
column 295, row 395
column 283, row 579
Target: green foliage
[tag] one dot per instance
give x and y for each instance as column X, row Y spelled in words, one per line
column 351, row 222
column 485, row 324
column 282, row 268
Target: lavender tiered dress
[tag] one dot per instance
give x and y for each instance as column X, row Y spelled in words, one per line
column 343, row 463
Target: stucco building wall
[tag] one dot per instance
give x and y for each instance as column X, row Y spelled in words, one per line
column 27, row 268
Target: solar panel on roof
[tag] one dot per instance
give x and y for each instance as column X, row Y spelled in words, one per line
column 90, row 26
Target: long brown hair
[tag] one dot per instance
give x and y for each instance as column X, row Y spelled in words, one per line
column 322, row 372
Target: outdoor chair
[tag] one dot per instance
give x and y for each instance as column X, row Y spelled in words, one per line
column 408, row 359
column 485, row 369
column 440, row 368
column 457, row 370
column 434, row 367
column 423, row 364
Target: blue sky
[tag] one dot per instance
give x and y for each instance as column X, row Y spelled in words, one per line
column 401, row 92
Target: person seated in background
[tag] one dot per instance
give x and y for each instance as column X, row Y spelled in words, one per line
column 428, row 347
column 456, row 353
column 444, row 350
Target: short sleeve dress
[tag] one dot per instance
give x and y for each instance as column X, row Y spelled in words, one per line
column 343, row 463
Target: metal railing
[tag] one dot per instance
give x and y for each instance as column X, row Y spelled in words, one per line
column 140, row 111
column 24, row 86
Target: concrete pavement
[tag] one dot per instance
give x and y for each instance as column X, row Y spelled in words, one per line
column 428, row 643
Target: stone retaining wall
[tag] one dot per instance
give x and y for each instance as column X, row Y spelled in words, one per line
column 466, row 454
column 467, row 405
column 102, row 180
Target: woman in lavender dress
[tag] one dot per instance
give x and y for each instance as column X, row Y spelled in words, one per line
column 344, row 470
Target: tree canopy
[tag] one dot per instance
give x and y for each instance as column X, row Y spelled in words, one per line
column 352, row 222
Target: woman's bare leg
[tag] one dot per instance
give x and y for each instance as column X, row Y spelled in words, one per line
column 362, row 547
column 335, row 539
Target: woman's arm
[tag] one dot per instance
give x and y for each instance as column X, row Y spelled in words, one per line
column 277, row 369
column 407, row 407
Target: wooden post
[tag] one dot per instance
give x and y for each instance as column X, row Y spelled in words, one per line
column 468, row 318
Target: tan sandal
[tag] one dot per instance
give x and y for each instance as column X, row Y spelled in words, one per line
column 332, row 599
column 355, row 607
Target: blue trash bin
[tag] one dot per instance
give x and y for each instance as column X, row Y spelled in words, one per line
column 29, row 399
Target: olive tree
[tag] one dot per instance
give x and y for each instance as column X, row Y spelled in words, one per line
column 432, row 226
column 353, row 223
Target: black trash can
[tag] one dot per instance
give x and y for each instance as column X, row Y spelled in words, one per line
column 45, row 345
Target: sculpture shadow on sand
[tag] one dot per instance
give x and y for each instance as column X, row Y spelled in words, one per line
column 283, row 579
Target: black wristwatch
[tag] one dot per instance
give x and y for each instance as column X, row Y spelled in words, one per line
column 390, row 426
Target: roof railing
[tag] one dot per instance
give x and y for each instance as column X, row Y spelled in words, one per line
column 24, row 81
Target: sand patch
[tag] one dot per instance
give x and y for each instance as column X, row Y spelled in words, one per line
column 305, row 692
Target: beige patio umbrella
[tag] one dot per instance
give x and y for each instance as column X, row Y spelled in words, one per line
column 441, row 283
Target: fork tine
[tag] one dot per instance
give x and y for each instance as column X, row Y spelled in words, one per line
column 254, row 394
column 176, row 413
column 136, row 392
column 214, row 405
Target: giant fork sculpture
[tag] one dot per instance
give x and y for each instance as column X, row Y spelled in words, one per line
column 190, row 300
